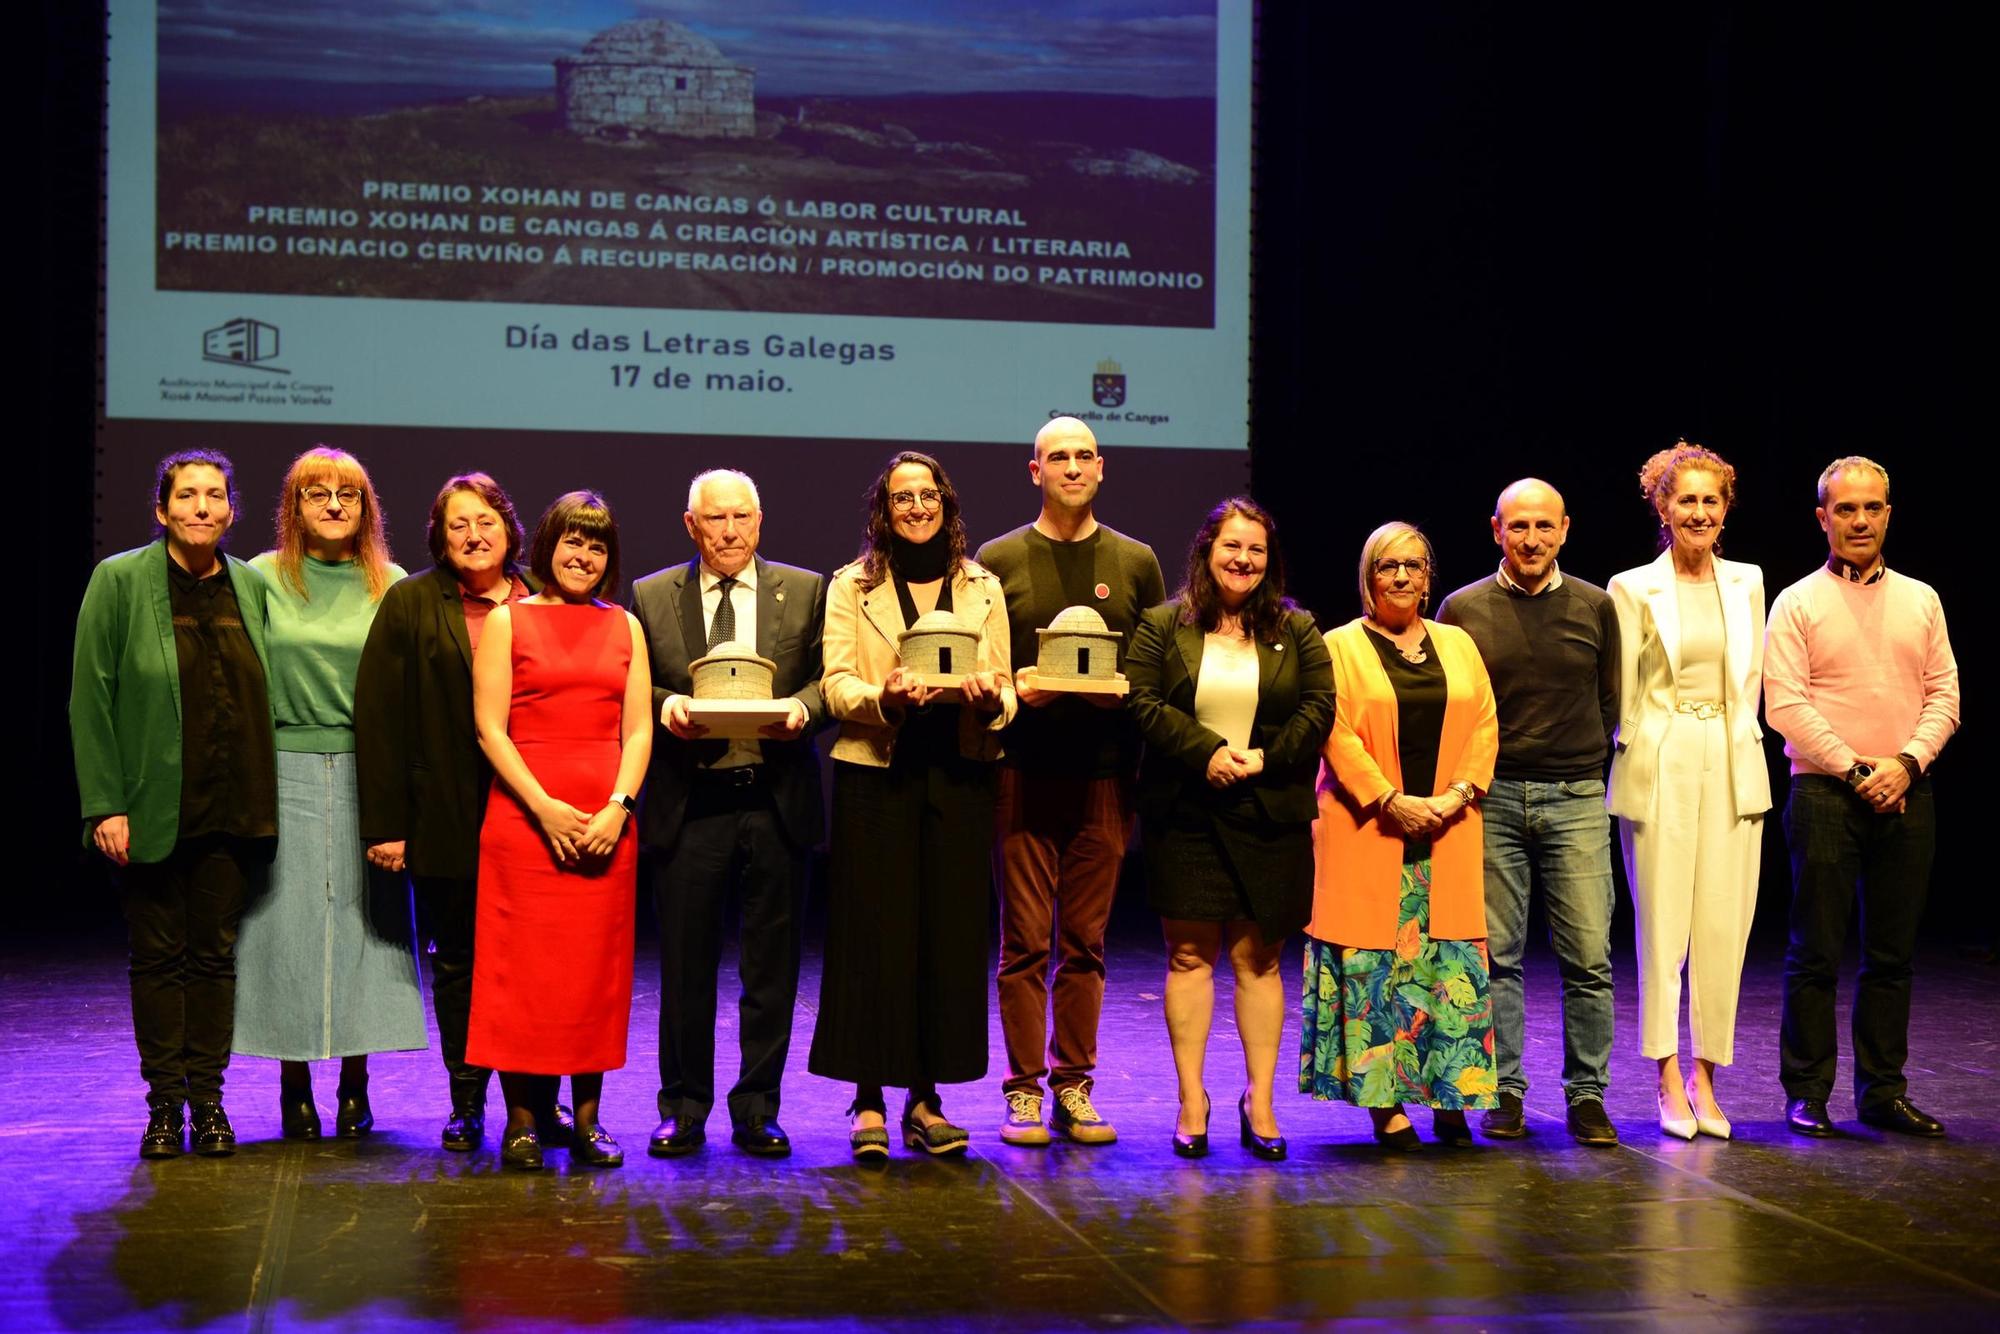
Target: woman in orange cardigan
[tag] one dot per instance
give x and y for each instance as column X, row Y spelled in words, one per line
column 1396, row 1006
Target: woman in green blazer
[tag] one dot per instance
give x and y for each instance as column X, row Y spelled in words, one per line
column 170, row 722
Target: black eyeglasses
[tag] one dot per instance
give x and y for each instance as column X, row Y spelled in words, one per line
column 901, row 501
column 1387, row 568
column 315, row 497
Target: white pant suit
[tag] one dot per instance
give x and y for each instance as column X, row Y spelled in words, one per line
column 1689, row 786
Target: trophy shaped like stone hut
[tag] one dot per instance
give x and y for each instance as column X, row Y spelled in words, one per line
column 732, row 671
column 939, row 645
column 1078, row 654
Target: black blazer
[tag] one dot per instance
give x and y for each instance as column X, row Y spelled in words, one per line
column 1294, row 716
column 423, row 778
column 791, row 611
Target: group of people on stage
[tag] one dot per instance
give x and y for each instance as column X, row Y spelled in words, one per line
column 306, row 765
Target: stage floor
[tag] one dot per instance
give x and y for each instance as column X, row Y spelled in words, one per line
column 392, row 1233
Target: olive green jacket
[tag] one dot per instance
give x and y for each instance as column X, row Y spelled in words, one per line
column 125, row 695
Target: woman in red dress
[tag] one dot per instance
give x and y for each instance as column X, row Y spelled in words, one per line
column 562, row 696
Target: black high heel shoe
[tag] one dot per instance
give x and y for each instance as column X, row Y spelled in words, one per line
column 1271, row 1149
column 1401, row 1141
column 298, row 1118
column 1194, row 1146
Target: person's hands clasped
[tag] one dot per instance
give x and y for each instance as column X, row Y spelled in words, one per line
column 563, row 825
column 1446, row 805
column 1412, row 816
column 113, row 837
column 674, row 717
column 389, row 855
column 1887, row 786
column 795, row 723
column 981, row 690
column 600, row 834
column 1229, row 766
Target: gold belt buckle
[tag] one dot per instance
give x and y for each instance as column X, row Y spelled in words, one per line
column 1702, row 709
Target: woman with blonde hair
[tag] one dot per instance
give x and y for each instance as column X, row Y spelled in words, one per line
column 326, row 961
column 1397, row 1005
column 1687, row 777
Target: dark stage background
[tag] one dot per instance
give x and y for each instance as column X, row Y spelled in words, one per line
column 1488, row 242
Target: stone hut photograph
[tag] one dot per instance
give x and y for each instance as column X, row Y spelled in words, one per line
column 1077, row 645
column 655, row 76
column 939, row 644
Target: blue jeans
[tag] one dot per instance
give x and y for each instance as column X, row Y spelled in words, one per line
column 1557, row 835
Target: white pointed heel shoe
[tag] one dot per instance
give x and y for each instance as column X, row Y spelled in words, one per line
column 1678, row 1127
column 1716, row 1126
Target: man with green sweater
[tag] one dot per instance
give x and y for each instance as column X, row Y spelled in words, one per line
column 1065, row 811
column 1550, row 642
column 170, row 723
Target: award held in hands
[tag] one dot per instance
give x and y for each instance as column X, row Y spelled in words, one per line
column 940, row 650
column 1078, row 655
column 732, row 693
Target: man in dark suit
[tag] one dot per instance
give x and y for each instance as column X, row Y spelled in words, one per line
column 421, row 774
column 720, row 815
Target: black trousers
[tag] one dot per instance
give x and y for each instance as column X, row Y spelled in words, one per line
column 181, row 916
column 731, row 845
column 1837, row 842
column 903, row 996
column 445, row 912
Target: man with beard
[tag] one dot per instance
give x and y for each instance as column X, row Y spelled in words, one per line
column 1065, row 812
column 1550, row 642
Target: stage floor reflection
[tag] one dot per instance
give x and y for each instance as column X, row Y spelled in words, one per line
column 392, row 1233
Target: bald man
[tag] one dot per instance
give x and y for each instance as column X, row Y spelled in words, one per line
column 1550, row 642
column 1065, row 811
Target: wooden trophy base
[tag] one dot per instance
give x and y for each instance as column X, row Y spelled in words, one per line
column 737, row 719
column 1030, row 679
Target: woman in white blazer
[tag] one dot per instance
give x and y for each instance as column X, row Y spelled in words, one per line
column 1687, row 778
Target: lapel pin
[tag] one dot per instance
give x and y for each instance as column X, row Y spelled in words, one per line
column 779, row 595
column 1103, row 591
column 1277, row 648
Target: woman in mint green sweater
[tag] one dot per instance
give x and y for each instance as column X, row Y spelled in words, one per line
column 326, row 961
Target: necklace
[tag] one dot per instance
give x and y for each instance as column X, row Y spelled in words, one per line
column 1412, row 652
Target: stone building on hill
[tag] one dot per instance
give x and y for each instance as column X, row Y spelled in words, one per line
column 655, row 76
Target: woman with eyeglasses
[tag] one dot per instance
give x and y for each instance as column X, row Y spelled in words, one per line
column 1396, row 1006
column 1231, row 690
column 326, row 961
column 424, row 779
column 1688, row 780
column 903, row 995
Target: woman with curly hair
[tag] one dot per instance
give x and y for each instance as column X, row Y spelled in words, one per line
column 1231, row 689
column 1687, row 777
column 903, row 996
column 326, row 961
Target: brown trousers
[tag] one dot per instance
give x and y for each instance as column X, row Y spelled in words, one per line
column 1059, row 843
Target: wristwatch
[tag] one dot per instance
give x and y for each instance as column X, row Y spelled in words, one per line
column 1466, row 791
column 1859, row 773
column 630, row 806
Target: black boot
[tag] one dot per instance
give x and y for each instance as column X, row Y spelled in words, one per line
column 214, row 1137
column 467, row 1125
column 353, row 1118
column 298, row 1118
column 165, row 1135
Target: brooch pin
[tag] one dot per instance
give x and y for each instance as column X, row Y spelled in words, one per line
column 1103, row 591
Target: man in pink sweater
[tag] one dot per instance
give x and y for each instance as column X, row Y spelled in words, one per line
column 1860, row 680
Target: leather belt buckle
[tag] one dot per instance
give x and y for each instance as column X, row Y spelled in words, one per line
column 1702, row 709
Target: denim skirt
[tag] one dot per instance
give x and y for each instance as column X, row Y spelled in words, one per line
column 326, row 961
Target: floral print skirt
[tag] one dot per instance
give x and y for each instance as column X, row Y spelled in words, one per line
column 1412, row 1024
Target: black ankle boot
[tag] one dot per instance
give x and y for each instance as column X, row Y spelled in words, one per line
column 353, row 1119
column 298, row 1118
column 166, row 1123
column 467, row 1124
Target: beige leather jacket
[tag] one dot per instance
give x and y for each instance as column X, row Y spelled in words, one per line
column 860, row 652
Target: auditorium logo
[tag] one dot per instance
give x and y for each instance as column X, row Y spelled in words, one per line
column 244, row 343
column 1107, row 387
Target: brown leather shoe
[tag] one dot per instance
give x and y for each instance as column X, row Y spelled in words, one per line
column 1507, row 1121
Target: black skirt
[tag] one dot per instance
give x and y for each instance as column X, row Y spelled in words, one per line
column 904, row 991
column 1205, row 864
